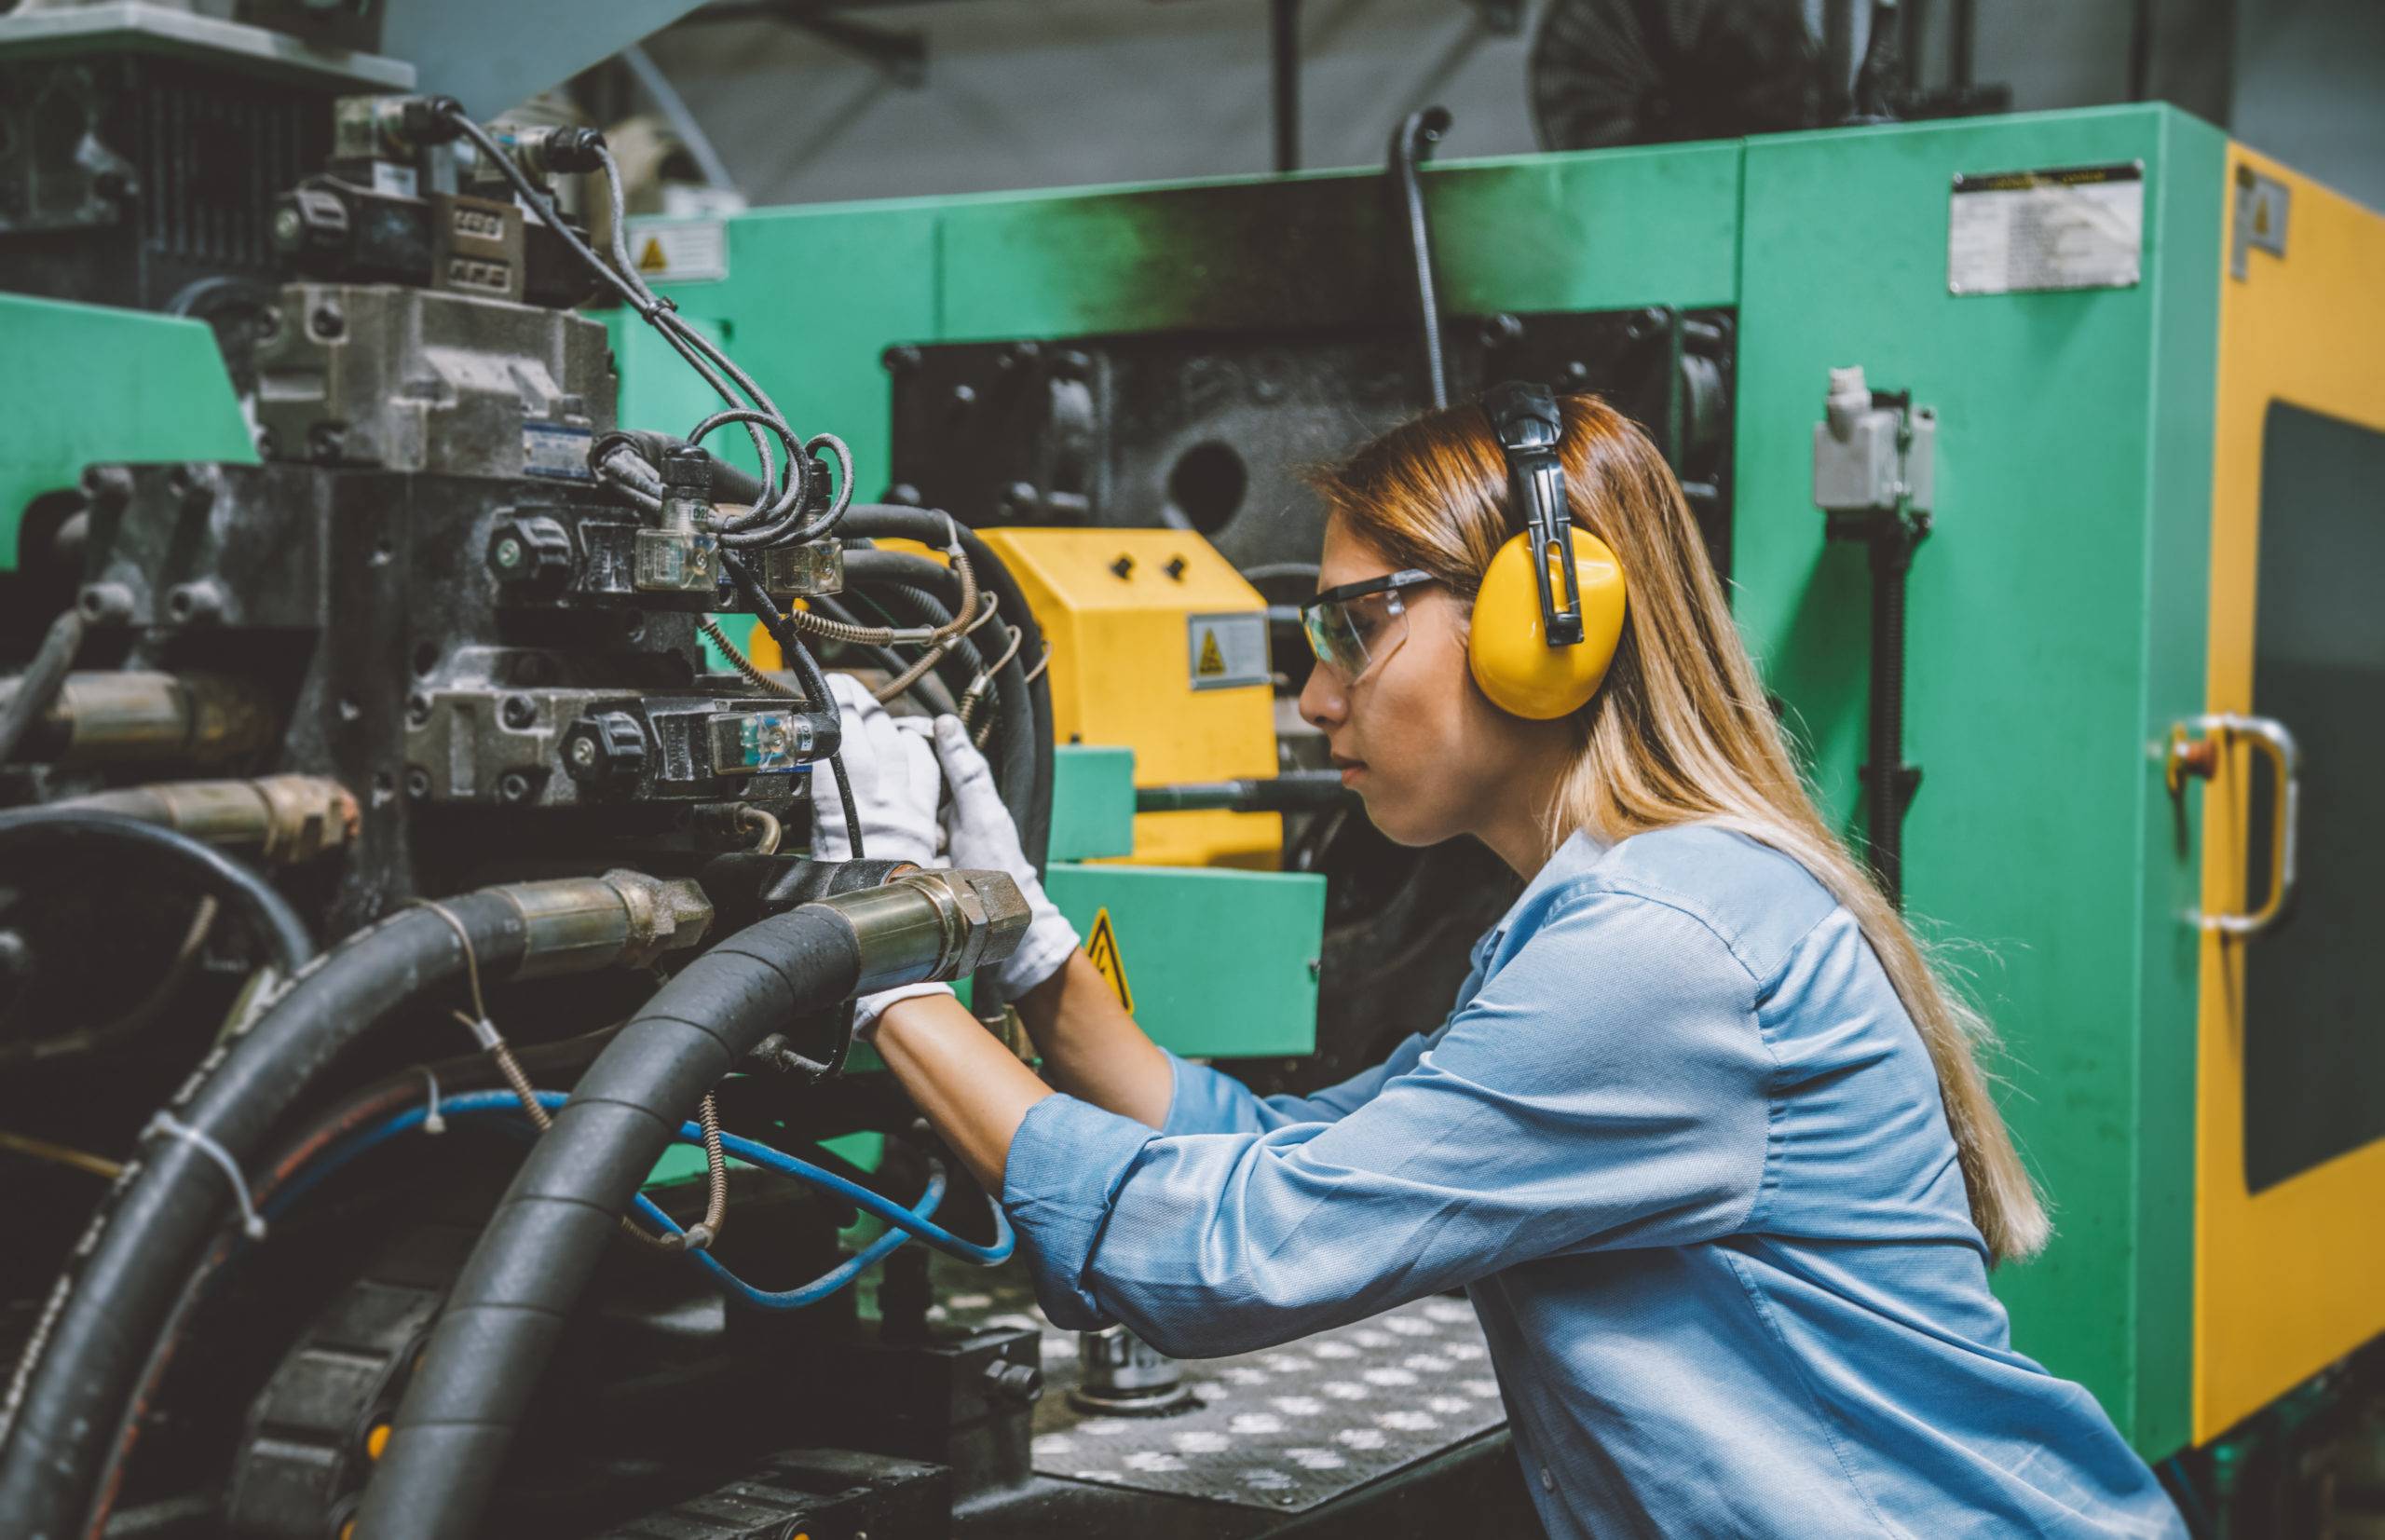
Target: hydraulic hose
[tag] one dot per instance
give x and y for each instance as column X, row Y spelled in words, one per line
column 277, row 923
column 509, row 1306
column 71, row 1387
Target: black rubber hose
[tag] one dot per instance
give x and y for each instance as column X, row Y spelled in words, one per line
column 156, row 1224
column 1023, row 695
column 38, row 685
column 863, row 567
column 277, row 923
column 798, row 658
column 510, row 1305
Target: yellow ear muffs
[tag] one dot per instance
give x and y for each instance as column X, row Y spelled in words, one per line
column 1508, row 650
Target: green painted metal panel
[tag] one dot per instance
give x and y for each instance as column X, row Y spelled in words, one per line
column 1093, row 802
column 2189, row 212
column 1592, row 231
column 813, row 297
column 85, row 383
column 1221, row 963
column 2032, row 630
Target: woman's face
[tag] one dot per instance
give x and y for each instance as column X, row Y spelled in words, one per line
column 1429, row 753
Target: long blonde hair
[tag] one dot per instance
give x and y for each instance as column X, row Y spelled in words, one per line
column 1680, row 732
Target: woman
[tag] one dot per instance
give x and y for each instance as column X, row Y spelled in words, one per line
column 1703, row 1140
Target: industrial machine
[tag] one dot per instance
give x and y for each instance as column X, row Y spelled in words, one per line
column 404, row 719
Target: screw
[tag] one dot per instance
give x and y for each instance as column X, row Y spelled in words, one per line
column 519, row 710
column 327, row 323
column 289, row 229
column 417, row 708
column 507, row 552
column 417, row 782
column 105, row 603
column 583, row 753
column 513, row 787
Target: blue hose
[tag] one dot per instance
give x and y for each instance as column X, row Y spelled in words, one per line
column 903, row 1222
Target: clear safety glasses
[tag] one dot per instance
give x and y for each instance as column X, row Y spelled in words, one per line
column 1353, row 626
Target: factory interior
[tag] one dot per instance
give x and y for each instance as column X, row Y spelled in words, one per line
column 782, row 769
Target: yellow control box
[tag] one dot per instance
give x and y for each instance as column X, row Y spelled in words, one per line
column 1158, row 646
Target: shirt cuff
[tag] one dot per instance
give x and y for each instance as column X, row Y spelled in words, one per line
column 1066, row 1164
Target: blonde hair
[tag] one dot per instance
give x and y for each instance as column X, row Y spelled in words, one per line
column 1680, row 732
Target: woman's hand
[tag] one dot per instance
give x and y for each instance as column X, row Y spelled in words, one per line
column 895, row 781
column 978, row 835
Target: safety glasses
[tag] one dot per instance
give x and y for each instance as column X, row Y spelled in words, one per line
column 1353, row 626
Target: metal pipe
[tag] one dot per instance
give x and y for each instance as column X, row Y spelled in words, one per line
column 1411, row 145
column 286, row 819
column 1291, row 792
column 138, row 717
column 1284, row 67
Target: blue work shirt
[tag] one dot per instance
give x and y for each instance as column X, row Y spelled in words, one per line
column 1684, row 1148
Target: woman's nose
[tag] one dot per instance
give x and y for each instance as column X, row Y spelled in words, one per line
column 1323, row 703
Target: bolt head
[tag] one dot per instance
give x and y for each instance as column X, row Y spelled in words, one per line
column 583, row 753
column 509, row 553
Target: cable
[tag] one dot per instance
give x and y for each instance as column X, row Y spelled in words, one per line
column 746, row 666
column 275, row 922
column 816, row 689
column 59, row 1154
column 38, row 685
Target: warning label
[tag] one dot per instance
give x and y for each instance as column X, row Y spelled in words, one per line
column 693, row 250
column 1226, row 651
column 1102, row 948
column 2066, row 227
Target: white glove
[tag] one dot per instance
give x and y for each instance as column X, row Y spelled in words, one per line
column 895, row 781
column 979, row 835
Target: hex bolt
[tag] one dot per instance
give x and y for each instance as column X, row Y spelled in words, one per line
column 506, row 553
column 105, row 603
column 513, row 787
column 327, row 323
column 108, row 486
column 519, row 710
column 195, row 603
column 1013, row 1382
column 417, row 708
column 583, row 754
column 417, row 781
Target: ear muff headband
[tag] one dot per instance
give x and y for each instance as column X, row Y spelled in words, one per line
column 1545, row 627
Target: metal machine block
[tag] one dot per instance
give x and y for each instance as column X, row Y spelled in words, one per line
column 408, row 379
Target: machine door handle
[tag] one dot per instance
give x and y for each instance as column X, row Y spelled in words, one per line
column 2202, row 755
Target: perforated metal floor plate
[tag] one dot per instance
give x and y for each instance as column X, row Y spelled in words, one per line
column 1284, row 1429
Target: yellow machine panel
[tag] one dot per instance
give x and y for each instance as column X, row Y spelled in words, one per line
column 1157, row 645
column 2288, row 1252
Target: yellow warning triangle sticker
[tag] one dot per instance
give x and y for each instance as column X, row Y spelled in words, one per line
column 1101, row 947
column 1213, row 659
column 650, row 258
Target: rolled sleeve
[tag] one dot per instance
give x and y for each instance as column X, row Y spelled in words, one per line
column 1066, row 1162
column 1608, row 1087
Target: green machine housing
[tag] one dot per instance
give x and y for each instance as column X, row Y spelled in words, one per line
column 2061, row 613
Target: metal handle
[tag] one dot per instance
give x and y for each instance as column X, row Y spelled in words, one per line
column 2269, row 736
